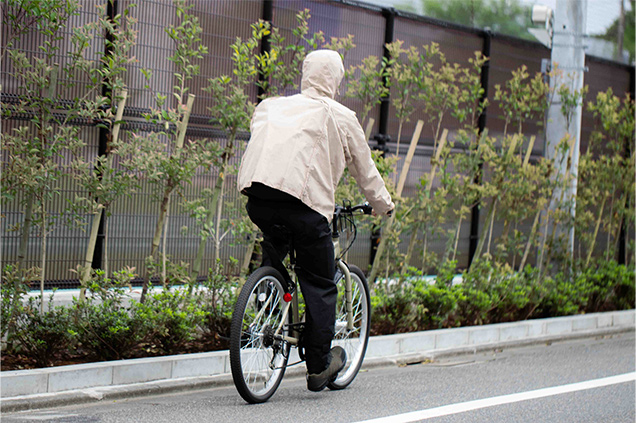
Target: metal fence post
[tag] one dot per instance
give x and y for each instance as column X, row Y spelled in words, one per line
column 102, row 147
column 267, row 15
column 389, row 16
column 481, row 125
column 382, row 137
column 622, row 241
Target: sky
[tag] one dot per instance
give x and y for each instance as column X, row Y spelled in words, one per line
column 600, row 13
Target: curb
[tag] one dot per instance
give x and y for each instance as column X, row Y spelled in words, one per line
column 86, row 383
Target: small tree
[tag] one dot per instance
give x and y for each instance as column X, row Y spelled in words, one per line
column 102, row 181
column 170, row 168
column 19, row 17
column 440, row 93
column 606, row 172
column 33, row 151
column 405, row 76
column 463, row 101
column 365, row 82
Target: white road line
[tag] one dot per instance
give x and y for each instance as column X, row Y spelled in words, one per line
column 462, row 407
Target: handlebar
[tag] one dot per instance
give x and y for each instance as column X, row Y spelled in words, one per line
column 342, row 217
column 350, row 210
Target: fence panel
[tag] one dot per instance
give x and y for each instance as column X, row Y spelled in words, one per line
column 133, row 218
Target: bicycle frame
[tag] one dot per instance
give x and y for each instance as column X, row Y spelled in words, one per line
column 342, row 266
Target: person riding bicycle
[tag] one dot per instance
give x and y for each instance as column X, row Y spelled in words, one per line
column 296, row 155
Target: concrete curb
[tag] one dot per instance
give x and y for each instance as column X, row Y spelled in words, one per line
column 83, row 383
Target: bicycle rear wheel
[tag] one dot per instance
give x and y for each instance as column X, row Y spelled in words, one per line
column 258, row 360
column 353, row 341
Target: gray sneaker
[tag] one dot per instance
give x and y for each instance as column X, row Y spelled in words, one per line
column 337, row 360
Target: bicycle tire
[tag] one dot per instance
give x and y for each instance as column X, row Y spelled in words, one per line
column 354, row 341
column 258, row 368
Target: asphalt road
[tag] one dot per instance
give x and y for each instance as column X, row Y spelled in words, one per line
column 501, row 386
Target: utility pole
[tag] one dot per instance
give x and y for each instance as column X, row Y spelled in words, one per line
column 621, row 34
column 568, row 54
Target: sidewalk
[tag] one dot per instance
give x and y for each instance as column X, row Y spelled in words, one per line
column 84, row 383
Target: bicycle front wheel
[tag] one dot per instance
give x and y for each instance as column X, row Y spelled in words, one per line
column 257, row 358
column 354, row 341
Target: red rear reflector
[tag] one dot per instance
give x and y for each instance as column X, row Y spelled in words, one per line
column 287, row 297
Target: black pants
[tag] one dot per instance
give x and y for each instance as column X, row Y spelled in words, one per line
column 315, row 267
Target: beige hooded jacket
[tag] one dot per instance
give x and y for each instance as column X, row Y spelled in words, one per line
column 301, row 144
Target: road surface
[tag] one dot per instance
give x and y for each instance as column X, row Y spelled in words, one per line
column 589, row 380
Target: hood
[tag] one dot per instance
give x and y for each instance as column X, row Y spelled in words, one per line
column 322, row 71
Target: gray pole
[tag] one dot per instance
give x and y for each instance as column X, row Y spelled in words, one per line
column 568, row 54
column 618, row 54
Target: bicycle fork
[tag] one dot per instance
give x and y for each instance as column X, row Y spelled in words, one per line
column 348, row 293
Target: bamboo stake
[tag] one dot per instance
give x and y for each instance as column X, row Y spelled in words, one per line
column 438, row 153
column 407, row 163
column 50, row 94
column 562, row 192
column 43, row 257
column 97, row 216
column 163, row 245
column 105, row 258
column 535, row 223
column 212, row 209
column 411, row 248
column 491, row 213
column 424, row 250
column 429, row 186
column 533, row 231
column 184, row 122
column 526, row 160
column 492, row 224
column 399, row 136
column 170, row 186
column 459, row 227
column 596, row 228
column 217, row 229
column 26, row 230
column 611, row 217
column 183, row 127
column 367, row 132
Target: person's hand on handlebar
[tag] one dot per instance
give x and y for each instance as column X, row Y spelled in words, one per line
column 389, row 213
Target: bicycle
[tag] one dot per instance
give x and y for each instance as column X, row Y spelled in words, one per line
column 266, row 321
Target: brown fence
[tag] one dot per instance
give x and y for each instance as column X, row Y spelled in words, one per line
column 133, row 219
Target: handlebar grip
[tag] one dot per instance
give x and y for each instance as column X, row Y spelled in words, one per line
column 366, row 208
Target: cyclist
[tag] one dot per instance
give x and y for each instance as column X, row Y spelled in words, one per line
column 296, row 155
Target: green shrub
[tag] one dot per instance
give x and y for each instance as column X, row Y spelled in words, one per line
column 519, row 294
column 14, row 285
column 393, row 308
column 609, row 286
column 109, row 331
column 492, row 292
column 439, row 303
column 217, row 303
column 108, row 328
column 101, row 287
column 43, row 336
column 495, row 293
column 172, row 317
column 566, row 295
